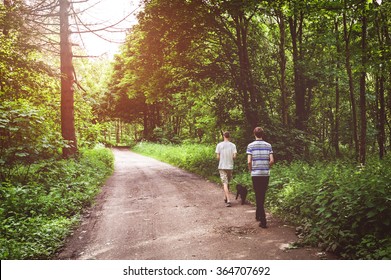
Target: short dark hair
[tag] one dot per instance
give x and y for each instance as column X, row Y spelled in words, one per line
column 226, row 134
column 258, row 132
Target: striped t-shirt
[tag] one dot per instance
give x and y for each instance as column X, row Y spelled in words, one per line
column 260, row 152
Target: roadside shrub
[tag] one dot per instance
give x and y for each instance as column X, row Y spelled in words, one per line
column 26, row 136
column 339, row 207
column 37, row 214
column 197, row 158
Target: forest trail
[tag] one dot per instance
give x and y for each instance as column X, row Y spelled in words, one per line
column 149, row 210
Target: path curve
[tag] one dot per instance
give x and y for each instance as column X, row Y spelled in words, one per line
column 149, row 210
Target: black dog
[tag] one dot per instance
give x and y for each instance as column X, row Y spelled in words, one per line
column 242, row 191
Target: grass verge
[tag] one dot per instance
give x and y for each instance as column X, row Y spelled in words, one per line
column 39, row 209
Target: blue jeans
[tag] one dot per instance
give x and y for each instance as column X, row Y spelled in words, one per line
column 260, row 184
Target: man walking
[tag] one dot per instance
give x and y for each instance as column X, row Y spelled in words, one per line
column 260, row 159
column 226, row 153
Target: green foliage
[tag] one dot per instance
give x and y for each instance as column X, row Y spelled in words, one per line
column 195, row 67
column 192, row 68
column 197, row 158
column 89, row 100
column 37, row 214
column 340, row 207
column 25, row 136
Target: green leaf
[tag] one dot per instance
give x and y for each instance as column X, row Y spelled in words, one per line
column 372, row 213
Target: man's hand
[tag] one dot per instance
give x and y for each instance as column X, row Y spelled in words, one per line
column 271, row 160
column 249, row 162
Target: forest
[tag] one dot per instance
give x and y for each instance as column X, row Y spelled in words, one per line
column 315, row 74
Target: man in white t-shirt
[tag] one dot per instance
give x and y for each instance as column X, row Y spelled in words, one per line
column 226, row 153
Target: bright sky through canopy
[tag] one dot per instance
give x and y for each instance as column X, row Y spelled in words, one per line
column 97, row 14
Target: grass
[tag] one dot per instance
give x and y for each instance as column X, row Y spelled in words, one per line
column 40, row 206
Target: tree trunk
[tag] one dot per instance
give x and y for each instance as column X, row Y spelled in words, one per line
column 381, row 115
column 363, row 106
column 7, row 5
column 337, row 96
column 351, row 87
column 295, row 25
column 282, row 62
column 246, row 81
column 383, row 37
column 239, row 63
column 67, row 80
column 118, row 132
column 145, row 123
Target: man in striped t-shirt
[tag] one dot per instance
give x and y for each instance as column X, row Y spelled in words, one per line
column 259, row 159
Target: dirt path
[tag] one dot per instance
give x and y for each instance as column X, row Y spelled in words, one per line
column 151, row 210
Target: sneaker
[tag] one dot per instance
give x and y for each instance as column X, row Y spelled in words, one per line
column 228, row 204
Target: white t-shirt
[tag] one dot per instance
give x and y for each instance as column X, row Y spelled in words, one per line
column 226, row 150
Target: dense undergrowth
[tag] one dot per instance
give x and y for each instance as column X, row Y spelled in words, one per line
column 337, row 206
column 41, row 203
column 192, row 157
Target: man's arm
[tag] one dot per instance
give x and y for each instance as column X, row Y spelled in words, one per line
column 249, row 162
column 271, row 160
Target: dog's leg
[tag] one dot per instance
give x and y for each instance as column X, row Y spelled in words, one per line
column 244, row 196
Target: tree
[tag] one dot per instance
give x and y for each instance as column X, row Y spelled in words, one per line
column 233, row 21
column 252, row 59
column 29, row 117
column 347, row 38
column 50, row 26
column 67, row 81
column 282, row 59
column 384, row 38
column 363, row 102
